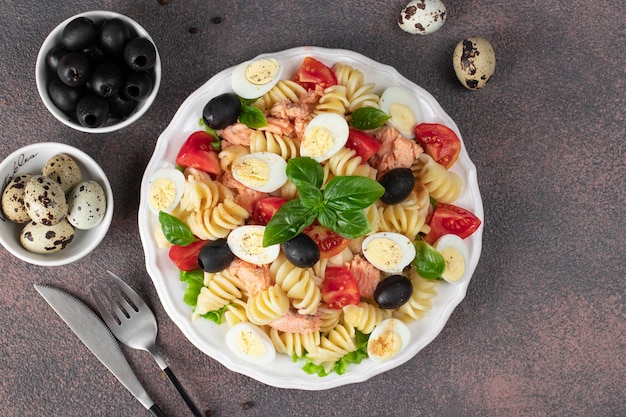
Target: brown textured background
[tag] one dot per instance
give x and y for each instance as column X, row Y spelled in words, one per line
column 542, row 329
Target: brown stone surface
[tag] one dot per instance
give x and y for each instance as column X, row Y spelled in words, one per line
column 542, row 329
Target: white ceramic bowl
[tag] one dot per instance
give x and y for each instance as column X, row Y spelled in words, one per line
column 31, row 159
column 43, row 74
column 209, row 337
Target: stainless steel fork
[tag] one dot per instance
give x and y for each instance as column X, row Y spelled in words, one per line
column 133, row 323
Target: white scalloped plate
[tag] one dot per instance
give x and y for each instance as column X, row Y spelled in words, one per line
column 209, row 337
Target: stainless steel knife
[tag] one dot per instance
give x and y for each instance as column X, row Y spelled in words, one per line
column 98, row 338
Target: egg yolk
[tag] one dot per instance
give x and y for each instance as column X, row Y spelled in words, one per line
column 317, row 141
column 252, row 242
column 387, row 345
column 162, row 193
column 384, row 253
column 249, row 344
column 455, row 264
column 262, row 71
column 251, row 172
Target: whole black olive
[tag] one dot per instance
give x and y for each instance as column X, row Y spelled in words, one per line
column 140, row 54
column 113, row 36
column 79, row 33
column 222, row 111
column 106, row 79
column 138, row 85
column 92, row 110
column 302, row 251
column 74, row 69
column 54, row 56
column 63, row 96
column 398, row 183
column 215, row 256
column 121, row 106
column 393, row 291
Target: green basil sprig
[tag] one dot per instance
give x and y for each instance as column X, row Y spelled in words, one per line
column 175, row 230
column 428, row 262
column 338, row 207
column 250, row 115
column 367, row 118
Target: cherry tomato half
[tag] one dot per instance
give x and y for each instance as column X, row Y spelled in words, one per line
column 186, row 257
column 365, row 145
column 197, row 152
column 312, row 72
column 339, row 288
column 265, row 208
column 329, row 242
column 440, row 142
column 451, row 219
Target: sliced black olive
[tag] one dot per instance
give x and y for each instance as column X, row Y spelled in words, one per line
column 393, row 291
column 398, row 183
column 222, row 111
column 302, row 251
column 215, row 256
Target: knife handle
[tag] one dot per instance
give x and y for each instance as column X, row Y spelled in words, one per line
column 182, row 392
column 156, row 411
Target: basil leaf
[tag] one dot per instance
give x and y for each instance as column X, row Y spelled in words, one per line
column 175, row 230
column 328, row 218
column 352, row 192
column 367, row 118
column 428, row 262
column 252, row 117
column 247, row 101
column 352, row 224
column 305, row 170
column 289, row 221
column 310, row 196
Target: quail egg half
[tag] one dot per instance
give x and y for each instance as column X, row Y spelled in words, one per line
column 254, row 78
column 403, row 110
column 388, row 251
column 455, row 254
column 262, row 171
column 387, row 340
column 165, row 189
column 246, row 243
column 250, row 343
column 324, row 136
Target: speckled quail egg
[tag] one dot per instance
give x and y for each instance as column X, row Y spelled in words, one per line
column 422, row 17
column 455, row 253
column 246, row 243
column 40, row 238
column 250, row 343
column 390, row 252
column 254, row 78
column 262, row 171
column 166, row 189
column 86, row 205
column 63, row 169
column 403, row 109
column 474, row 62
column 387, row 339
column 44, row 200
column 13, row 199
column 324, row 136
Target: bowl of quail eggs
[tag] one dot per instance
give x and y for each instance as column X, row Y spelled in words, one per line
column 57, row 204
column 98, row 71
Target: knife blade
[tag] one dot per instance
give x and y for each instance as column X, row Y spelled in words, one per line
column 92, row 331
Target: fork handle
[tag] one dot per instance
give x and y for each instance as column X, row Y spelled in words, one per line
column 182, row 392
column 156, row 411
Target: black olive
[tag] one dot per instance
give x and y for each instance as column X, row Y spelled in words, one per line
column 113, row 36
column 138, row 85
column 140, row 54
column 215, row 256
column 222, row 111
column 121, row 106
column 106, row 79
column 63, row 96
column 79, row 33
column 92, row 110
column 54, row 56
column 398, row 183
column 302, row 251
column 393, row 291
column 74, row 69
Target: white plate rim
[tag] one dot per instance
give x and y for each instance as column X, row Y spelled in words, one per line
column 170, row 289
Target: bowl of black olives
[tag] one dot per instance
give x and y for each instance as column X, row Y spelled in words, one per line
column 98, row 71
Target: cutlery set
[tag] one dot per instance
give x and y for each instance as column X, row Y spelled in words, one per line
column 129, row 319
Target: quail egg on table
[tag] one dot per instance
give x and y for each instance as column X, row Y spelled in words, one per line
column 262, row 171
column 166, row 189
column 387, row 339
column 246, row 243
column 45, row 200
column 250, row 343
column 474, row 62
column 13, row 199
column 86, row 205
column 63, row 169
column 40, row 238
column 422, row 17
column 324, row 136
column 403, row 110
column 254, row 78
